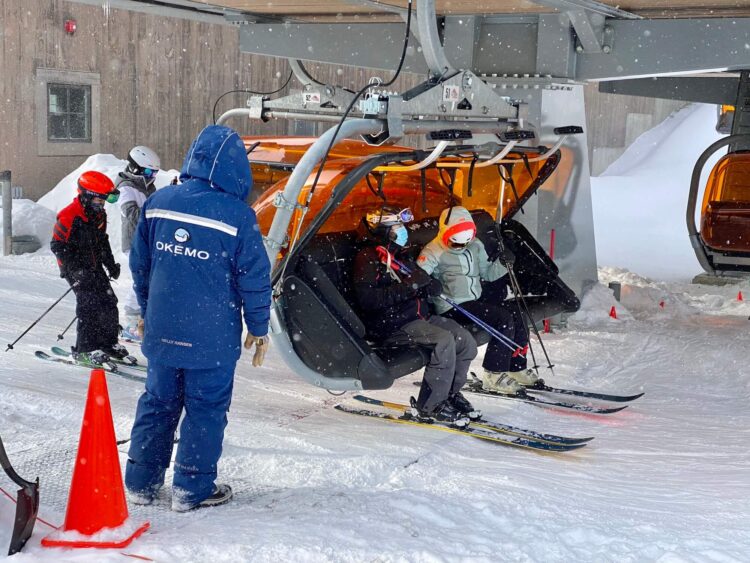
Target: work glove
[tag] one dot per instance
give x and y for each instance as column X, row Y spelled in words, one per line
column 114, row 272
column 261, row 346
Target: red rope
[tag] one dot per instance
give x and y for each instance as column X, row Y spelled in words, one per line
column 43, row 521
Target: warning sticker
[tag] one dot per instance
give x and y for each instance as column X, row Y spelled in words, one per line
column 311, row 97
column 451, row 93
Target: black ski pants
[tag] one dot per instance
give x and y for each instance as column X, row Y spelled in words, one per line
column 96, row 309
column 507, row 319
column 452, row 349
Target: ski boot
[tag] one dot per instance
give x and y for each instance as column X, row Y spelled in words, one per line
column 443, row 412
column 500, row 382
column 95, row 357
column 222, row 494
column 120, row 353
column 527, row 378
column 462, row 405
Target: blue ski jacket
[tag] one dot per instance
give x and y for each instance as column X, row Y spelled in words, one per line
column 198, row 260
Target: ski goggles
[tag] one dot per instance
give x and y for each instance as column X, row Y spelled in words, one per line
column 390, row 217
column 149, row 172
column 110, row 197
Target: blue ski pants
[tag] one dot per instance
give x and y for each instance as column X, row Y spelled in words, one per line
column 204, row 395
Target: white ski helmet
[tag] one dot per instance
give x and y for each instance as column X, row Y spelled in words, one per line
column 142, row 161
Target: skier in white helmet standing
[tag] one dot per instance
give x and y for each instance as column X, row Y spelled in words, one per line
column 136, row 184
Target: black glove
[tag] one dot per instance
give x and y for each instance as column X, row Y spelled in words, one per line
column 73, row 277
column 114, row 272
column 434, row 288
column 506, row 255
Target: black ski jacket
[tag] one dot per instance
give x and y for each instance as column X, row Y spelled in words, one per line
column 388, row 304
column 81, row 244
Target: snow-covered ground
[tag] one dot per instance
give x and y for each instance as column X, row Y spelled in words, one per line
column 639, row 202
column 665, row 480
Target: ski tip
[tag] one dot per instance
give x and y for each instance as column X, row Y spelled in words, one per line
column 610, row 411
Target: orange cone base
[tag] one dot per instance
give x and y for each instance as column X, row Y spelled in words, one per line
column 73, row 539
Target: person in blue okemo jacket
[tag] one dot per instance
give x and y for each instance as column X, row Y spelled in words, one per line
column 198, row 263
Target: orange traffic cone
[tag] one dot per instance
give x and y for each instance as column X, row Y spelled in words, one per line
column 97, row 497
column 613, row 312
column 739, row 296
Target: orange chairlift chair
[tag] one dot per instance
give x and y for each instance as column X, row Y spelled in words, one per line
column 722, row 243
column 314, row 303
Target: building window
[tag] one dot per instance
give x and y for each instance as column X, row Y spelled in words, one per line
column 68, row 113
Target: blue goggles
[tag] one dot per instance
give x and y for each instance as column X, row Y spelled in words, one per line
column 406, row 215
column 149, row 172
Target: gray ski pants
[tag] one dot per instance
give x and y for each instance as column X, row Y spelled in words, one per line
column 453, row 348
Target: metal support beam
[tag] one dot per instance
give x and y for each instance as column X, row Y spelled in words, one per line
column 703, row 89
column 460, row 35
column 590, row 6
column 376, row 46
column 378, row 6
column 555, row 53
column 588, row 29
column 429, row 37
column 660, row 47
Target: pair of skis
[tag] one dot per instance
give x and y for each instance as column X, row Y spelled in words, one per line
column 474, row 386
column 503, row 434
column 134, row 372
column 492, row 431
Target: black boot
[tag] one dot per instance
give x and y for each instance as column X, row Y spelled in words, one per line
column 443, row 412
column 462, row 405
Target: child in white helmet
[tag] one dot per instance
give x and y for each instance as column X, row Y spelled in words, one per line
column 459, row 260
column 136, row 184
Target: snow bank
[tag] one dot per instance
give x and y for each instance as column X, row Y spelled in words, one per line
column 644, row 299
column 30, row 218
column 64, row 192
column 639, row 201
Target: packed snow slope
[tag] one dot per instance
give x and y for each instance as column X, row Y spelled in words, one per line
column 665, row 480
column 639, row 202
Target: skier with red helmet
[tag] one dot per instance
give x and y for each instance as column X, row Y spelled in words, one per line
column 81, row 245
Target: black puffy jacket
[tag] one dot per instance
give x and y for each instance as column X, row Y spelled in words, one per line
column 388, row 304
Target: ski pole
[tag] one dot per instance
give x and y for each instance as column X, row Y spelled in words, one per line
column 62, row 334
column 504, row 340
column 519, row 298
column 10, row 346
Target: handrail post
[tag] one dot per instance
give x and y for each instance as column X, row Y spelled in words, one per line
column 5, row 187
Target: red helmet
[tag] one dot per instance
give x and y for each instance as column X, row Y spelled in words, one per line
column 95, row 183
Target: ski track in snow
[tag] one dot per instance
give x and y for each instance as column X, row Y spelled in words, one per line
column 665, row 480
